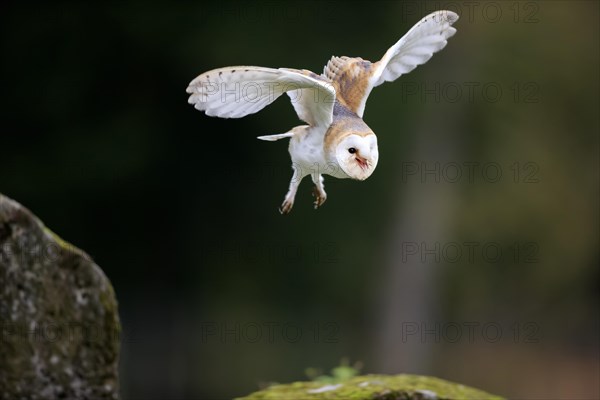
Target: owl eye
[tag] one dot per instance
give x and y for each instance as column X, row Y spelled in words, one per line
column 351, row 150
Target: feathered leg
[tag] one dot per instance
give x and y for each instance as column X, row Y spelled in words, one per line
column 319, row 190
column 288, row 202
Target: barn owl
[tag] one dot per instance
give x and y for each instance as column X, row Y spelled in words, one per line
column 336, row 141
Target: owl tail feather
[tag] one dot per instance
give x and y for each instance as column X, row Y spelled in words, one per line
column 272, row 138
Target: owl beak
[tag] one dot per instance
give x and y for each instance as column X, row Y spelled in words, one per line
column 362, row 163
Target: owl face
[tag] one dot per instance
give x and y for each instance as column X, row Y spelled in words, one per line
column 357, row 155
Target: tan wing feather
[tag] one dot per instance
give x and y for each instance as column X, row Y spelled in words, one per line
column 350, row 78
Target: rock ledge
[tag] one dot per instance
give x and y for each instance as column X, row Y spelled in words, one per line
column 59, row 320
column 374, row 387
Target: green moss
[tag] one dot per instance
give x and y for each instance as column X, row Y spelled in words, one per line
column 374, row 387
column 57, row 239
column 60, row 241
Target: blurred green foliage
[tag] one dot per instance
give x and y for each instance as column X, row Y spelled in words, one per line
column 341, row 373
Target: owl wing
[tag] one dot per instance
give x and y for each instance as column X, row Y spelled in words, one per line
column 427, row 37
column 234, row 92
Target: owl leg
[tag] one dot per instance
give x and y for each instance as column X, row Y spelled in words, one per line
column 319, row 190
column 288, row 202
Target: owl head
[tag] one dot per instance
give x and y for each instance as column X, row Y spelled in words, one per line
column 357, row 155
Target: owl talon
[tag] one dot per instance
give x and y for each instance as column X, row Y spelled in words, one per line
column 286, row 207
column 320, row 197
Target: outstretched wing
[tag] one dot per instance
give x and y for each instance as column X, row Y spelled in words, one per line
column 234, row 92
column 354, row 78
column 427, row 37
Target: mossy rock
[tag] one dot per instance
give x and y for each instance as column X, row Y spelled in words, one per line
column 374, row 387
column 58, row 315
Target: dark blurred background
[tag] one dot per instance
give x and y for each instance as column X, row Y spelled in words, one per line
column 471, row 254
